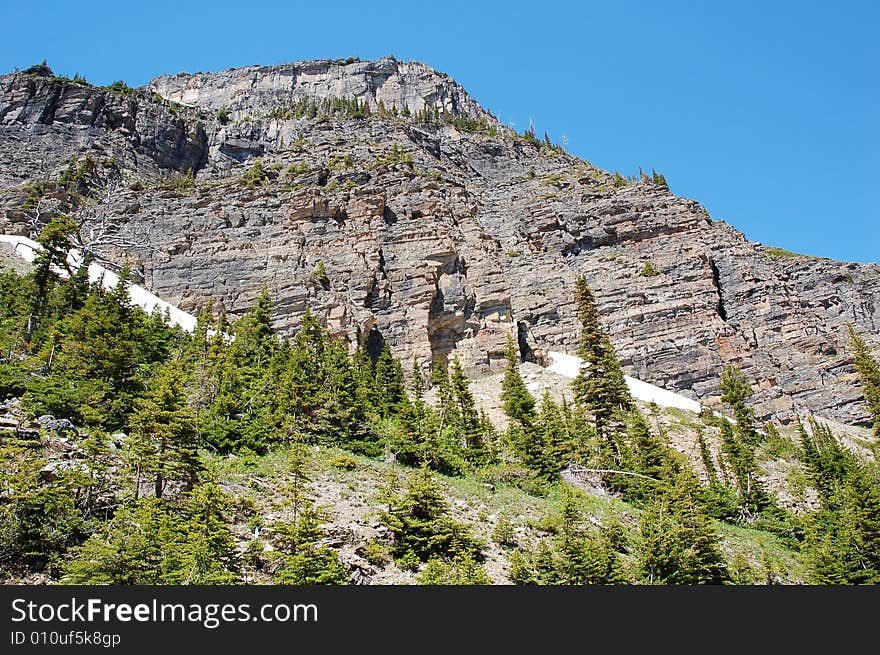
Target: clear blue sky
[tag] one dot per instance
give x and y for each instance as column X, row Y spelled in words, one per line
column 766, row 112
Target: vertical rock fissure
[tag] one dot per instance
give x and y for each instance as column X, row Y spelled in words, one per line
column 716, row 279
column 525, row 350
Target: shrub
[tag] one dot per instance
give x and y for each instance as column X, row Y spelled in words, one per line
column 42, row 70
column 119, row 87
column 375, row 553
column 503, row 534
column 255, row 175
column 648, row 270
column 344, row 461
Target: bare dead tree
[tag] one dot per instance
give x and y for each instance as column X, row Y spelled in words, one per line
column 103, row 228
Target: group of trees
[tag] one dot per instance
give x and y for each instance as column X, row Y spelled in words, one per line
column 143, row 507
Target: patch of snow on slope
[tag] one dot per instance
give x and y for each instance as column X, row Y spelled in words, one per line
column 569, row 366
column 27, row 249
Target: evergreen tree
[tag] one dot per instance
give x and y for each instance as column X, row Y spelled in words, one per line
column 148, row 542
column 599, row 386
column 583, row 557
column 462, row 570
column 420, row 522
column 644, row 454
column 869, row 372
column 467, row 420
column 753, row 497
column 365, row 378
column 553, row 438
column 735, row 390
column 678, row 544
column 389, row 383
column 519, row 404
column 164, row 433
column 843, row 539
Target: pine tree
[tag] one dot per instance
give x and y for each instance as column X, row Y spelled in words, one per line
column 599, row 386
column 421, row 524
column 735, row 390
column 519, row 404
column 583, row 558
column 753, row 496
column 365, row 377
column 389, row 383
column 678, row 544
column 556, row 442
column 869, row 372
column 468, row 421
column 164, row 445
column 646, row 455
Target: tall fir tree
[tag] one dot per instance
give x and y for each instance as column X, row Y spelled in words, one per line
column 599, row 386
column 518, row 402
column 678, row 544
column 869, row 372
column 164, row 447
column 389, row 385
column 735, row 390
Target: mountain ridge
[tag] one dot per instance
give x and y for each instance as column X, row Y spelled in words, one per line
column 464, row 236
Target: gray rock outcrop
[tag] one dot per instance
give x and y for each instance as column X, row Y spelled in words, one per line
column 441, row 237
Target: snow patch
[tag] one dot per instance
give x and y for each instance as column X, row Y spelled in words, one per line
column 570, row 366
column 28, row 249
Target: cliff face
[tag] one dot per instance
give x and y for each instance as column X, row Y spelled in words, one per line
column 437, row 239
column 256, row 90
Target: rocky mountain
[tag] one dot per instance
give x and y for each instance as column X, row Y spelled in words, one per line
column 384, row 197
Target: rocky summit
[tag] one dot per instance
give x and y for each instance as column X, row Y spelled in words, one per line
column 384, row 197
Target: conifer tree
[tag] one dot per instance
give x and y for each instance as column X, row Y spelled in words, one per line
column 753, row 496
column 735, row 390
column 678, row 544
column 389, row 383
column 555, row 438
column 583, row 557
column 869, row 372
column 164, row 445
column 420, row 522
column 467, row 419
column 519, row 404
column 646, row 455
column 365, row 377
column 599, row 386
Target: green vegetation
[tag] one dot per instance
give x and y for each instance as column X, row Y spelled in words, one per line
column 869, row 373
column 779, row 253
column 396, row 155
column 326, row 108
column 182, row 182
column 255, row 175
column 648, row 270
column 119, row 87
column 41, row 70
column 320, row 274
column 297, row 169
column 164, row 417
column 472, row 125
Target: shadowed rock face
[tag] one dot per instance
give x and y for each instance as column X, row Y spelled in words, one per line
column 439, row 241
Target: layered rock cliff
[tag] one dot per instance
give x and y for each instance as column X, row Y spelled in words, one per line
column 441, row 231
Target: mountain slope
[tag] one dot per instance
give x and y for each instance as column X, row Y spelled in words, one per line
column 440, row 231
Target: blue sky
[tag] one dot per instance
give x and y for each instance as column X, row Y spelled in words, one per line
column 767, row 112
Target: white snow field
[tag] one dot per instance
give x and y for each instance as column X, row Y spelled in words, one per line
column 28, row 249
column 569, row 366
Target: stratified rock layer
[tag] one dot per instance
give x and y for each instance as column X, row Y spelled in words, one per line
column 439, row 241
